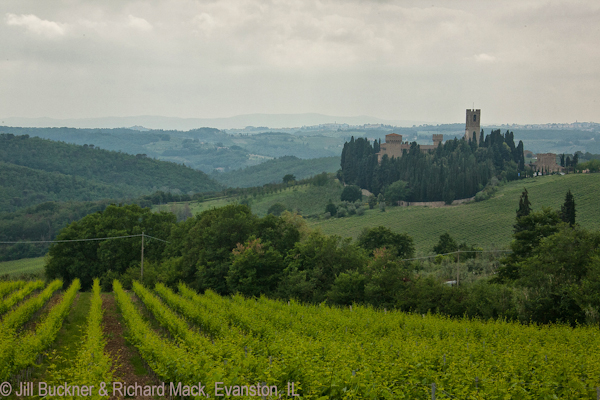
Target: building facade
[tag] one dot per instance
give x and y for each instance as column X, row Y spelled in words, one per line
column 473, row 125
column 546, row 163
column 394, row 145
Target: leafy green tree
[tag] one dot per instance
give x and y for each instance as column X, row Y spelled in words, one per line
column 372, row 201
column 374, row 238
column 386, row 279
column 446, row 244
column 87, row 260
column 554, row 274
column 289, row 178
column 381, row 201
column 397, row 191
column 348, row 288
column 532, row 229
column 535, row 227
column 331, row 209
column 567, row 210
column 207, row 244
column 313, row 265
column 320, row 179
column 256, row 268
column 351, row 193
column 282, row 232
column 276, row 209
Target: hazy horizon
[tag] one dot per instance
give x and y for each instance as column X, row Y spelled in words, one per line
column 522, row 62
column 272, row 121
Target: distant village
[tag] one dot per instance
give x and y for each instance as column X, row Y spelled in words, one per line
column 543, row 163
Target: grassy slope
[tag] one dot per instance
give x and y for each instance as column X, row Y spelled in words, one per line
column 488, row 223
column 272, row 171
column 306, row 198
column 23, row 266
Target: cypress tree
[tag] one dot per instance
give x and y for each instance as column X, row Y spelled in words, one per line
column 520, row 156
column 567, row 210
column 524, row 210
column 524, row 205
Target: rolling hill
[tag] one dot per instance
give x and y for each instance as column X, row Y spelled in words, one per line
column 272, row 171
column 486, row 224
column 51, row 170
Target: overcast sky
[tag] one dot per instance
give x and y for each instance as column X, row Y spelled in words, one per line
column 519, row 61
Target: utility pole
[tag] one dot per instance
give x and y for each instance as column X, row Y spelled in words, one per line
column 457, row 266
column 142, row 277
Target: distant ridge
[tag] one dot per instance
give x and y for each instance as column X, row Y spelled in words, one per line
column 235, row 122
column 35, row 170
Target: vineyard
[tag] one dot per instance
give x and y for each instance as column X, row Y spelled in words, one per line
column 486, row 223
column 246, row 348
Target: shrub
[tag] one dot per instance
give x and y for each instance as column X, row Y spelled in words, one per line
column 351, row 193
column 372, row 201
column 331, row 209
column 276, row 209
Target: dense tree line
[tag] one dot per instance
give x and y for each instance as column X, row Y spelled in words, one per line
column 40, row 223
column 44, row 221
column 456, row 169
column 552, row 274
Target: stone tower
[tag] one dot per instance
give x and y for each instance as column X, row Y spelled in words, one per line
column 473, row 125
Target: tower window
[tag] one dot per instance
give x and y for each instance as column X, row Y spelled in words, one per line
column 474, row 117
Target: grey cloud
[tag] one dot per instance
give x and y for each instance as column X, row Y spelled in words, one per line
column 392, row 59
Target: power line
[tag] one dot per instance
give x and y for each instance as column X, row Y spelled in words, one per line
column 85, row 240
column 458, row 252
column 152, row 237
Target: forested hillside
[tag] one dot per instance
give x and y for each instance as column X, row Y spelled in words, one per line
column 272, row 171
column 24, row 187
column 129, row 175
column 45, row 185
column 457, row 169
column 122, row 139
column 39, row 223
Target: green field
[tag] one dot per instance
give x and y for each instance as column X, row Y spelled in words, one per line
column 486, row 224
column 306, row 199
column 272, row 171
column 23, row 266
